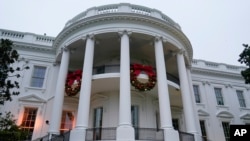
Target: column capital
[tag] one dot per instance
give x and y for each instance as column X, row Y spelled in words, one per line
column 181, row 51
column 122, row 32
column 90, row 36
column 228, row 86
column 56, row 63
column 206, row 82
column 65, row 48
column 158, row 38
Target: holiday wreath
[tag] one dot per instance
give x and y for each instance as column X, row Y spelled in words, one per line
column 73, row 82
column 135, row 70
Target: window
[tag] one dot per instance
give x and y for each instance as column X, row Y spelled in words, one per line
column 226, row 130
column 98, row 112
column 203, row 130
column 241, row 98
column 218, row 95
column 135, row 120
column 157, row 118
column 38, row 76
column 175, row 124
column 29, row 119
column 66, row 121
column 196, row 93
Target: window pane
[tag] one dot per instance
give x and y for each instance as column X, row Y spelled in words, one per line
column 218, row 95
column 98, row 112
column 135, row 120
column 226, row 126
column 175, row 124
column 196, row 93
column 203, row 129
column 66, row 121
column 29, row 119
column 241, row 98
column 38, row 76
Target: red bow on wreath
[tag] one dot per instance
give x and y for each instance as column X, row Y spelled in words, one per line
column 147, row 69
column 135, row 70
column 73, row 82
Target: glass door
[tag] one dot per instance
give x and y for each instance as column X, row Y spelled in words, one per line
column 135, row 120
column 97, row 131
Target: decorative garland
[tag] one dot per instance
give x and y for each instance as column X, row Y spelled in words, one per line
column 73, row 82
column 135, row 70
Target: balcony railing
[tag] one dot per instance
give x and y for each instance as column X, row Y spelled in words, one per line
column 62, row 137
column 109, row 133
column 123, row 8
column 116, row 68
column 151, row 134
column 101, row 134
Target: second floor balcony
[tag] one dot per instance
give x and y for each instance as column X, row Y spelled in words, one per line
column 103, row 69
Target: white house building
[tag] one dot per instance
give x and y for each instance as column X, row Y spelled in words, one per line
column 123, row 72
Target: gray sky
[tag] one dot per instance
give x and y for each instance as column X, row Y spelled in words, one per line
column 215, row 28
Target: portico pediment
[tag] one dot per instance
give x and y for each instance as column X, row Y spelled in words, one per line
column 202, row 113
column 224, row 114
column 32, row 98
column 245, row 116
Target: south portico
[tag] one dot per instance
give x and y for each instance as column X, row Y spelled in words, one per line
column 125, row 130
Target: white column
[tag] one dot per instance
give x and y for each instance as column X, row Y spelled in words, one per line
column 79, row 132
column 163, row 94
column 125, row 131
column 196, row 116
column 186, row 95
column 56, row 114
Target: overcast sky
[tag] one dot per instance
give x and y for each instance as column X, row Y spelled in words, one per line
column 215, row 28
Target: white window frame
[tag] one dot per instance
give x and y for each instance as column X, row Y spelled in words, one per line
column 32, row 76
column 241, row 99
column 224, row 130
column 205, row 126
column 28, row 81
column 40, row 111
column 198, row 94
column 216, row 98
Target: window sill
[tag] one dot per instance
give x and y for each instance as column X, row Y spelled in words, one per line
column 200, row 105
column 244, row 109
column 222, row 107
column 35, row 88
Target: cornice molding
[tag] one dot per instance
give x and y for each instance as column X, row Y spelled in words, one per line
column 36, row 47
column 178, row 34
column 216, row 73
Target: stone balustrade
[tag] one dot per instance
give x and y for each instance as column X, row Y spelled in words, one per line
column 218, row 66
column 26, row 37
column 123, row 8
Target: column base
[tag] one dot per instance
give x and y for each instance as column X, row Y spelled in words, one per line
column 171, row 135
column 77, row 135
column 197, row 137
column 125, row 133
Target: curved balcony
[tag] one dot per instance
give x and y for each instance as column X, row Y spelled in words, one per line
column 103, row 69
column 123, row 8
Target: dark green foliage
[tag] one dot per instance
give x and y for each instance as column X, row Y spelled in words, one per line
column 8, row 56
column 9, row 131
column 245, row 59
